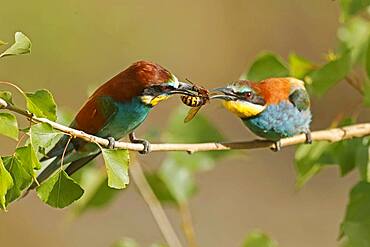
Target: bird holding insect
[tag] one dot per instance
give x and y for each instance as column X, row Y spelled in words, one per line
column 115, row 110
column 199, row 98
column 274, row 108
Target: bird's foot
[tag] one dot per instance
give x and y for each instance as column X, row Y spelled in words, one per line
column 276, row 147
column 112, row 142
column 145, row 143
column 308, row 137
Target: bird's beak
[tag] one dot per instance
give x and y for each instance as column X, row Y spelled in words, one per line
column 184, row 89
column 228, row 94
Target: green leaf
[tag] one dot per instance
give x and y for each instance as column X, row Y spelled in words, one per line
column 43, row 136
column 126, row 242
column 178, row 179
column 346, row 154
column 309, row 160
column 42, row 104
column 28, row 155
column 353, row 37
column 331, row 73
column 299, row 67
column 116, row 163
column 356, row 224
column 2, row 43
column 6, row 182
column 259, row 239
column 7, row 96
column 8, row 125
column 22, row 45
column 97, row 193
column 265, row 66
column 198, row 130
column 21, row 166
column 352, row 7
column 159, row 188
column 59, row 190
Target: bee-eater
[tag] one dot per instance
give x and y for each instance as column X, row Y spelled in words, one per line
column 272, row 109
column 113, row 111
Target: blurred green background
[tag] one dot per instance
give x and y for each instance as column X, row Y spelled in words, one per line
column 78, row 45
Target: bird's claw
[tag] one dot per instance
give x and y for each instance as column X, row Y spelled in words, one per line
column 276, row 147
column 112, row 142
column 147, row 146
column 308, row 137
column 145, row 143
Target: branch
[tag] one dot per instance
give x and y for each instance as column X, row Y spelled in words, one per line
column 331, row 135
column 155, row 206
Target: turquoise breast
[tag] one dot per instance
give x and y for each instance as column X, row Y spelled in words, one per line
column 279, row 121
column 128, row 117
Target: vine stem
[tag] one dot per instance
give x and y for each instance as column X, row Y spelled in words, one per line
column 154, row 205
column 331, row 135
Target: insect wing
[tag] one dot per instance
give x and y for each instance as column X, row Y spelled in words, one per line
column 191, row 114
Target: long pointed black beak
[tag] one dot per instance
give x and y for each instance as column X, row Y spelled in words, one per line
column 185, row 89
column 228, row 94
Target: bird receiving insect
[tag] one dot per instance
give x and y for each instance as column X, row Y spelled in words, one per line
column 273, row 108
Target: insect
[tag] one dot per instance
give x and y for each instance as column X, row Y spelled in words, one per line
column 196, row 102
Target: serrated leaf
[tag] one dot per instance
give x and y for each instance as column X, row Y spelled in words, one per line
column 42, row 135
column 330, row 74
column 59, row 190
column 352, row 7
column 265, row 66
column 8, row 125
column 22, row 45
column 21, row 167
column 97, row 193
column 356, row 224
column 116, row 163
column 178, row 179
column 42, row 104
column 299, row 67
column 6, row 183
column 28, row 155
column 7, row 96
column 259, row 239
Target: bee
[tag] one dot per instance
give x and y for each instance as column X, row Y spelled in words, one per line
column 196, row 102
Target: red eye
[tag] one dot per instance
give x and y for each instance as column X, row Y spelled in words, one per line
column 248, row 95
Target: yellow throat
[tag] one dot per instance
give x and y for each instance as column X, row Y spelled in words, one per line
column 243, row 109
column 150, row 100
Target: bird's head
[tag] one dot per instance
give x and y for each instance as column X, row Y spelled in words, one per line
column 158, row 83
column 149, row 82
column 242, row 99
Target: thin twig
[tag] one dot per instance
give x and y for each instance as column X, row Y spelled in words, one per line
column 187, row 224
column 331, row 135
column 155, row 206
